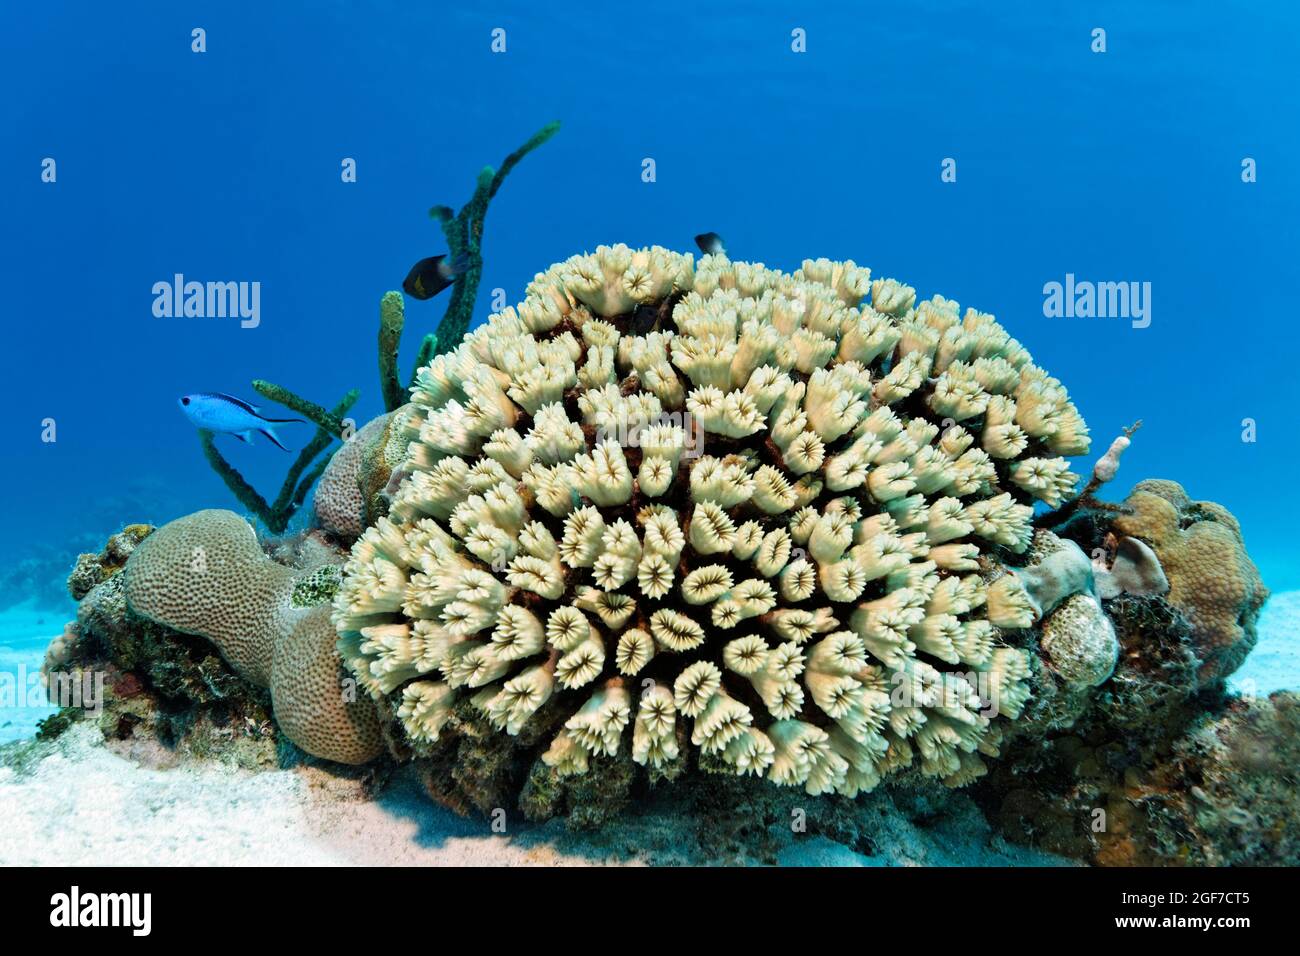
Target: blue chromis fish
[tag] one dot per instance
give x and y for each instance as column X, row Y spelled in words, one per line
column 430, row 276
column 711, row 244
column 218, row 412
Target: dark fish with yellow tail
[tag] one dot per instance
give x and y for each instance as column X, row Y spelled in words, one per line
column 430, row 276
column 711, row 244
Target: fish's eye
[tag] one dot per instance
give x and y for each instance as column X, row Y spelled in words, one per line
column 185, row 400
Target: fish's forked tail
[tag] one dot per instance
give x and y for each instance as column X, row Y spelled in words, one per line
column 269, row 432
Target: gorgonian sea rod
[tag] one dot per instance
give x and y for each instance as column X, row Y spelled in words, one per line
column 667, row 505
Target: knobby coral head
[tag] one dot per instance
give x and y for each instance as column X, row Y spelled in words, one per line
column 717, row 506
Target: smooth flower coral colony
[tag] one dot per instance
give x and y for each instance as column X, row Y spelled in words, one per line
column 811, row 593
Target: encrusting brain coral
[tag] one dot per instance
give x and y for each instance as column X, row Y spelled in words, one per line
column 1211, row 579
column 717, row 506
column 206, row 574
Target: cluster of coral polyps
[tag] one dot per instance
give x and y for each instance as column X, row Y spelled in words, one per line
column 717, row 504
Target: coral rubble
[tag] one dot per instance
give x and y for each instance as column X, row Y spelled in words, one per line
column 1218, row 790
column 94, row 569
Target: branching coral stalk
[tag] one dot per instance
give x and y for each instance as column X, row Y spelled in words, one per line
column 391, row 319
column 293, row 491
column 428, row 348
column 1103, row 471
column 331, row 422
column 464, row 232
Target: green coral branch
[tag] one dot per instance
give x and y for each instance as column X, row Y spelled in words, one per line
column 464, row 232
column 241, row 489
column 537, row 139
column 293, row 491
column 290, row 491
column 392, row 318
column 428, row 349
column 309, row 410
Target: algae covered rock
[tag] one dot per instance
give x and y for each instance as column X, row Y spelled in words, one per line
column 1219, row 792
column 93, row 569
column 1079, row 641
column 1114, row 773
column 1157, row 671
column 1231, row 783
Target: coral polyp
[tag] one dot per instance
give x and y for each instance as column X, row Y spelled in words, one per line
column 720, row 512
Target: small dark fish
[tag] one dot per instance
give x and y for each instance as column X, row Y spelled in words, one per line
column 710, row 244
column 430, row 276
column 218, row 412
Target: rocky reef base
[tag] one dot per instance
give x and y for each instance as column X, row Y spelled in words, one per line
column 1218, row 791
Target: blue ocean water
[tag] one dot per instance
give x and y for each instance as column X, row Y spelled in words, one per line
column 225, row 165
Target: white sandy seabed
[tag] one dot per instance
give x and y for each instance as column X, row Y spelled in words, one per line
column 25, row 632
column 81, row 804
column 1274, row 664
